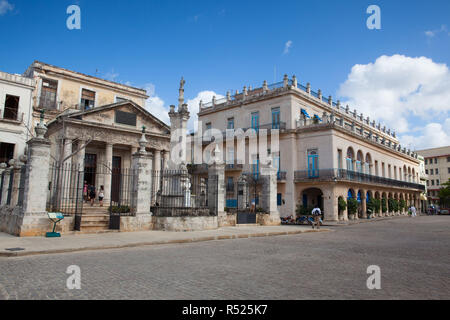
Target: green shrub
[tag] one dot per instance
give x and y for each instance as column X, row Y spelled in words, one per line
column 342, row 205
column 352, row 205
column 383, row 205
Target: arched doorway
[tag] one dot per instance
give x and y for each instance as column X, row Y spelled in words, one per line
column 311, row 198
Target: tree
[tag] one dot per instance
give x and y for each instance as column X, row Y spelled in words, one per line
column 444, row 195
column 352, row 205
column 342, row 205
column 383, row 205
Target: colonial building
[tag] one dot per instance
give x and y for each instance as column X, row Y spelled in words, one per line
column 15, row 115
column 326, row 151
column 437, row 169
column 95, row 123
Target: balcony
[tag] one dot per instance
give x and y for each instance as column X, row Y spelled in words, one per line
column 353, row 176
column 281, row 176
column 234, row 167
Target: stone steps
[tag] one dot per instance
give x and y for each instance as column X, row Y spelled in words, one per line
column 95, row 221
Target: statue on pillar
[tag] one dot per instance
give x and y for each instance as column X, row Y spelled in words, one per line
column 181, row 93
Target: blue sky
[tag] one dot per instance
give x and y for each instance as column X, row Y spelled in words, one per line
column 224, row 45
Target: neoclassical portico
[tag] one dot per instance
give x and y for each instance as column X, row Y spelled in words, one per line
column 99, row 143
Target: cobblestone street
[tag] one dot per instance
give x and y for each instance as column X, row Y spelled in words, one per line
column 413, row 254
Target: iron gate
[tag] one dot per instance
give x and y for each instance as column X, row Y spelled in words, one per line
column 123, row 195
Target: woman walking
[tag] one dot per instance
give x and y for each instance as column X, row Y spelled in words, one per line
column 101, row 195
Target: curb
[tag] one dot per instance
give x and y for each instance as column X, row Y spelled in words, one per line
column 160, row 242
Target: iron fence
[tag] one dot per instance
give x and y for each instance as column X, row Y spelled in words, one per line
column 65, row 189
column 179, row 193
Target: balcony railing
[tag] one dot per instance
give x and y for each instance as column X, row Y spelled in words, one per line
column 281, row 175
column 347, row 175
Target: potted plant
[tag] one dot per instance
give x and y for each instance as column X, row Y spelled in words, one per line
column 352, row 205
column 383, row 205
column 342, row 205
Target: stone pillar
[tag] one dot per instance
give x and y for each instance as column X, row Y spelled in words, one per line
column 242, row 193
column 364, row 205
column 157, row 175
column 330, row 205
column 216, row 191
column 7, row 176
column 165, row 159
column 16, row 170
column 291, row 202
column 108, row 173
column 35, row 221
column 157, row 160
column 269, row 195
column 81, row 154
column 142, row 164
column 67, row 152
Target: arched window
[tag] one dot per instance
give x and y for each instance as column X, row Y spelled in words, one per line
column 359, row 161
column 350, row 158
column 368, row 164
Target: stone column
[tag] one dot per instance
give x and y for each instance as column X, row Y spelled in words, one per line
column 67, row 152
column 242, row 193
column 157, row 160
column 364, row 204
column 157, row 175
column 330, row 205
column 108, row 173
column 269, row 195
column 165, row 159
column 216, row 191
column 35, row 220
column 81, row 154
column 142, row 164
column 7, row 176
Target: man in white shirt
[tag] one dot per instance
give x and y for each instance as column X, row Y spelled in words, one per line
column 413, row 211
column 316, row 212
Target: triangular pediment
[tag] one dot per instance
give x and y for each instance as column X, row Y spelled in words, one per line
column 124, row 114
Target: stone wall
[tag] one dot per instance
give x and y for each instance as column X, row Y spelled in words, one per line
column 228, row 220
column 11, row 219
column 185, row 223
column 141, row 222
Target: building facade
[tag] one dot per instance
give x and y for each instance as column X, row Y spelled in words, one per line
column 437, row 169
column 325, row 152
column 95, row 124
column 15, row 115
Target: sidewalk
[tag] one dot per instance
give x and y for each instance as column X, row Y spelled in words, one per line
column 71, row 243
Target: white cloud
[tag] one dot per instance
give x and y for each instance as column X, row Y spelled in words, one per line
column 193, row 105
column 5, row 6
column 111, row 76
column 156, row 106
column 432, row 33
column 394, row 88
column 287, row 46
column 433, row 135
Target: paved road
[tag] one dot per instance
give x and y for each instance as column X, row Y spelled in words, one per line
column 413, row 254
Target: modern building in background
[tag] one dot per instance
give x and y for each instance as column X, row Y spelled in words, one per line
column 15, row 115
column 326, row 151
column 437, row 168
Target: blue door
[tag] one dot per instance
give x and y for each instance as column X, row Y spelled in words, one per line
column 255, row 121
column 276, row 118
column 276, row 164
column 313, row 166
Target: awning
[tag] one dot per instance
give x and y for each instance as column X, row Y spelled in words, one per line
column 317, row 117
column 303, row 111
column 423, row 197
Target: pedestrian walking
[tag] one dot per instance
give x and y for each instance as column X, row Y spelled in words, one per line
column 91, row 191
column 101, row 195
column 413, row 211
column 316, row 212
column 85, row 191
